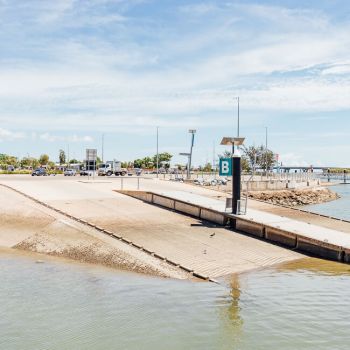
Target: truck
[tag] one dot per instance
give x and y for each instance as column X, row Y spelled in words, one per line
column 111, row 167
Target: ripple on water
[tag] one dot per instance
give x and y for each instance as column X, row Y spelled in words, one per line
column 55, row 305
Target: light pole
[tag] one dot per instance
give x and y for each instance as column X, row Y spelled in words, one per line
column 266, row 150
column 237, row 98
column 103, row 146
column 157, row 151
column 68, row 156
column 191, row 131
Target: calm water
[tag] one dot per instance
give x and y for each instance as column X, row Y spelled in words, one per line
column 61, row 305
column 339, row 208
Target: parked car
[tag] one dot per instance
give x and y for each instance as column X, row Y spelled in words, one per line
column 138, row 171
column 70, row 172
column 85, row 172
column 39, row 172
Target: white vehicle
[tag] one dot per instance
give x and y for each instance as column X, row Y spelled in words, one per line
column 70, row 172
column 111, row 167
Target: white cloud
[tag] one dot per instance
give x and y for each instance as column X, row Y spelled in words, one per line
column 8, row 135
column 97, row 83
column 59, row 138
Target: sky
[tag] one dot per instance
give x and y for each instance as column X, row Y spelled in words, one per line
column 74, row 70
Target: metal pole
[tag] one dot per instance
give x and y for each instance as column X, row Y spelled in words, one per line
column 190, row 157
column 238, row 116
column 236, row 183
column 68, row 156
column 157, row 152
column 103, row 141
column 266, row 151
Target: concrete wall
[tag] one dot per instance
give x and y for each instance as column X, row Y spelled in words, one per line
column 189, row 209
column 250, row 227
column 163, row 201
column 213, row 216
column 285, row 238
column 320, row 249
column 269, row 233
column 276, row 185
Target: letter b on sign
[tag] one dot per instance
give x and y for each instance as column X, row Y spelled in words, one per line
column 225, row 168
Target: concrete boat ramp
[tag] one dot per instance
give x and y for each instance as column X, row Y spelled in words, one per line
column 297, row 235
column 200, row 243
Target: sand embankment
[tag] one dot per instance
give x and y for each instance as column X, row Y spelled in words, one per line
column 294, row 198
column 26, row 225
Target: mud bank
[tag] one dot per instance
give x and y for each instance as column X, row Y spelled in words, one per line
column 25, row 225
column 295, row 198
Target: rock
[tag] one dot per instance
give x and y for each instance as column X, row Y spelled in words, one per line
column 295, row 198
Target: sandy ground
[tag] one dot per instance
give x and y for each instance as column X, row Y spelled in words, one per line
column 29, row 226
column 209, row 250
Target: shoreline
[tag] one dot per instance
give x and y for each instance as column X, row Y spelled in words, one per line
column 92, row 223
column 29, row 227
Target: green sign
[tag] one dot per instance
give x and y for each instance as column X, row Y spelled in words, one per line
column 225, row 167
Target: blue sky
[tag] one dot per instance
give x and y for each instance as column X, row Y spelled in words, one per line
column 72, row 70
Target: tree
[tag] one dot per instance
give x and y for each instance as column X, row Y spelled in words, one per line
column 35, row 163
column 138, row 163
column 207, row 168
column 164, row 157
column 259, row 156
column 62, row 157
column 252, row 154
column 73, row 161
column 44, row 159
column 26, row 162
column 266, row 159
column 147, row 162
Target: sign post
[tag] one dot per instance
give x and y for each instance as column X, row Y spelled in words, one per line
column 225, row 167
column 232, row 167
column 236, row 183
column 91, row 156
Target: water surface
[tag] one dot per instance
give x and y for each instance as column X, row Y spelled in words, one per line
column 59, row 305
column 339, row 208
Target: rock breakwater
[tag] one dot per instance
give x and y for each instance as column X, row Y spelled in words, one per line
column 293, row 198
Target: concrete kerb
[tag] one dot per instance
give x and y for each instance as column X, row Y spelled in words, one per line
column 320, row 249
column 109, row 233
column 258, row 230
column 193, row 210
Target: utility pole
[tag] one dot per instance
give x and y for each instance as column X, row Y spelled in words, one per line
column 214, row 155
column 266, row 150
column 191, row 131
column 68, row 157
column 157, row 151
column 103, row 146
column 238, row 116
column 238, row 121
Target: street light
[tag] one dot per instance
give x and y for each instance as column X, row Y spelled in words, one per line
column 103, row 146
column 191, row 131
column 157, row 152
column 237, row 98
column 266, row 150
